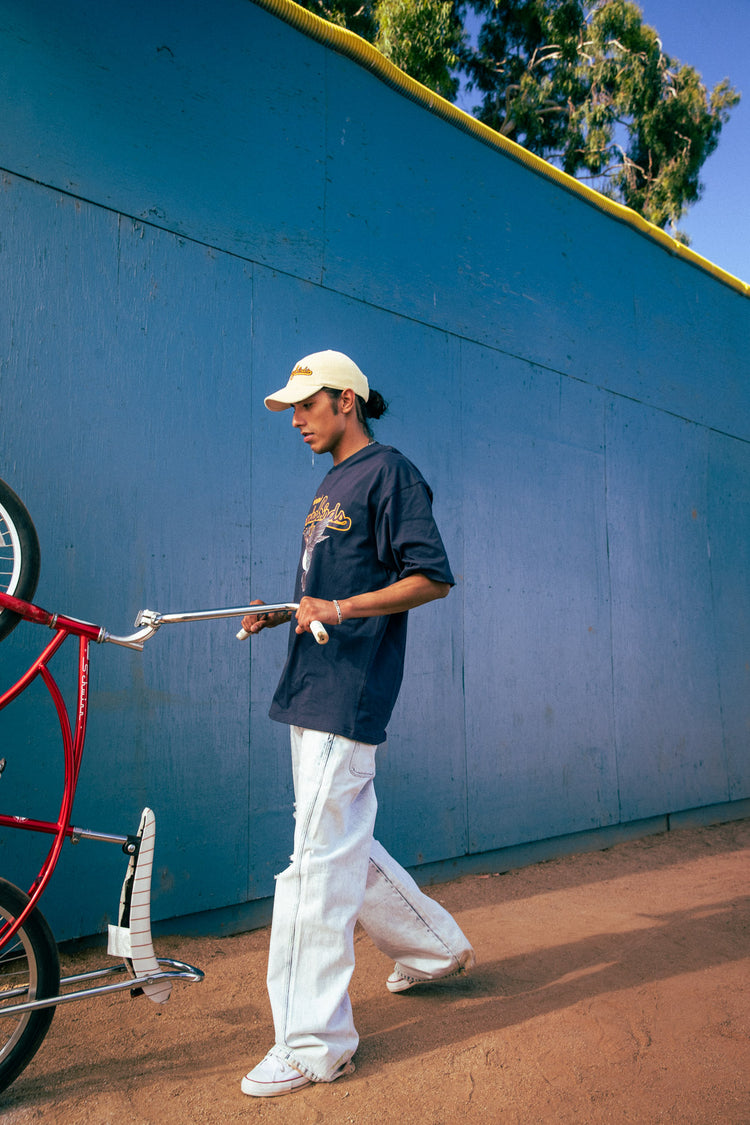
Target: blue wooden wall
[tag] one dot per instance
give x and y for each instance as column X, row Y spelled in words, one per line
column 192, row 198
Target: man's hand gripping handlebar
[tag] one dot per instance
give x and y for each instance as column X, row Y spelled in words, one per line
column 287, row 608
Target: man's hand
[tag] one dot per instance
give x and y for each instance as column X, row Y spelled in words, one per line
column 315, row 609
column 253, row 623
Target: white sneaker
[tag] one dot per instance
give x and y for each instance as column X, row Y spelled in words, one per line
column 397, row 982
column 400, row 982
column 273, row 1077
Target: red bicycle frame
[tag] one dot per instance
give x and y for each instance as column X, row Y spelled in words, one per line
column 147, row 623
column 73, row 737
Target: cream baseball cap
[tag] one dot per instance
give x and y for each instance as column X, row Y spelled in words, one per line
column 311, row 374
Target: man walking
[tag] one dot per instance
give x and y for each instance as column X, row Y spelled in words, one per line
column 370, row 553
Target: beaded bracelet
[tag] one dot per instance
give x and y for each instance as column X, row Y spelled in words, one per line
column 338, row 611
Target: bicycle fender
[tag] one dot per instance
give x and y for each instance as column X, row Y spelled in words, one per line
column 131, row 939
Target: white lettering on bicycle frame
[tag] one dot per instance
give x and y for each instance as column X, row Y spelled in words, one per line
column 84, row 689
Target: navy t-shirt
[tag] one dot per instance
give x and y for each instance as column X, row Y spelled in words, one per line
column 370, row 524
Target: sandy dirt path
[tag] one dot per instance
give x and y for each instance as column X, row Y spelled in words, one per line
column 610, row 987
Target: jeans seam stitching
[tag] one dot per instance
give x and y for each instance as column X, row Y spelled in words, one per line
column 298, row 882
column 415, row 912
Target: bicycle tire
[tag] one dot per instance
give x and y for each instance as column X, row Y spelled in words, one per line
column 30, row 962
column 19, row 555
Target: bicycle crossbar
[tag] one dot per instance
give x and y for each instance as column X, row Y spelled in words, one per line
column 41, row 616
column 26, row 610
column 27, row 824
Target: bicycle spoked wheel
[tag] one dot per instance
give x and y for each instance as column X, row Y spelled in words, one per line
column 29, row 970
column 19, row 554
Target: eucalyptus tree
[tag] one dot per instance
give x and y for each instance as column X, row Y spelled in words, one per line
column 585, row 85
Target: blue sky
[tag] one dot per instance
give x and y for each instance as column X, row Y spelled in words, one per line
column 713, row 36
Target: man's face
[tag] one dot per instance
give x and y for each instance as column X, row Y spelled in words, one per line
column 322, row 426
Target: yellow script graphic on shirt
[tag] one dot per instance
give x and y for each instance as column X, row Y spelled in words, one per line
column 321, row 513
column 321, row 519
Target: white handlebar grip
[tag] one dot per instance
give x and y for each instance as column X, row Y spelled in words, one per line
column 242, row 635
column 318, row 631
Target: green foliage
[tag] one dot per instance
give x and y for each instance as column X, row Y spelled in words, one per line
column 355, row 16
column 585, row 85
column 422, row 37
column 592, row 90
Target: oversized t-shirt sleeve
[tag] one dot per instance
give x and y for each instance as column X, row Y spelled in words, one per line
column 407, row 536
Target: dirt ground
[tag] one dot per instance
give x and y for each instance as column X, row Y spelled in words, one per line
column 610, row 987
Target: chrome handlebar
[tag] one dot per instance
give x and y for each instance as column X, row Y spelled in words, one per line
column 149, row 621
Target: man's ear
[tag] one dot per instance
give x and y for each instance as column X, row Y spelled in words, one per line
column 347, row 401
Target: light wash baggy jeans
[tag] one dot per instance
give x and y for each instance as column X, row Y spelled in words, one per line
column 339, row 873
